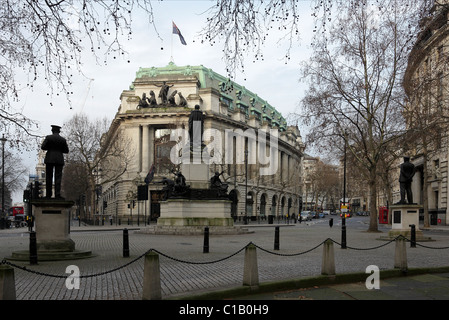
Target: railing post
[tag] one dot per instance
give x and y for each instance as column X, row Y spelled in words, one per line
column 125, row 243
column 400, row 256
column 328, row 262
column 412, row 236
column 250, row 269
column 206, row 240
column 7, row 283
column 151, row 277
column 33, row 248
column 343, row 233
column 276, row 238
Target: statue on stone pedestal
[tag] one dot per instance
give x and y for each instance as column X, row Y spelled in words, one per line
column 405, row 181
column 196, row 118
column 56, row 146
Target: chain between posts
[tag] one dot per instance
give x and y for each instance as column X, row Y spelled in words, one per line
column 23, row 268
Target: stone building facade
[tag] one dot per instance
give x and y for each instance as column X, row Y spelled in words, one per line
column 426, row 85
column 155, row 123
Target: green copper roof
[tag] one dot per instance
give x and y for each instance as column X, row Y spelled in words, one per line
column 229, row 89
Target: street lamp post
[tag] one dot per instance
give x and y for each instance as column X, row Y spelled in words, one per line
column 246, row 184
column 343, row 219
column 2, row 219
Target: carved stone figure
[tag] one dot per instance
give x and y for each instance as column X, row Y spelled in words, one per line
column 152, row 99
column 217, row 184
column 168, row 188
column 163, row 93
column 171, row 98
column 182, row 100
column 180, row 187
column 405, row 181
column 143, row 102
column 56, row 146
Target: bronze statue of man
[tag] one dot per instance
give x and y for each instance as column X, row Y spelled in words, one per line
column 196, row 118
column 56, row 146
column 405, row 180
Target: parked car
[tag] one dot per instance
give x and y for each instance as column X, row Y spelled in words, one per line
column 306, row 216
column 321, row 215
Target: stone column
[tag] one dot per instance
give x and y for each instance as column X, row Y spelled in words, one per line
column 145, row 149
column 151, row 145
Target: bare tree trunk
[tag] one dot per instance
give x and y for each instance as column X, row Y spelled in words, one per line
column 372, row 200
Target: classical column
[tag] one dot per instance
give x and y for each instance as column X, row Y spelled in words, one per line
column 151, row 145
column 145, row 149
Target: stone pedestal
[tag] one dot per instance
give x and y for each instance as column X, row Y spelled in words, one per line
column 195, row 212
column 402, row 217
column 197, row 175
column 52, row 226
column 191, row 216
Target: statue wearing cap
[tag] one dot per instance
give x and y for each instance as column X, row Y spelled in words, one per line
column 56, row 146
column 405, row 181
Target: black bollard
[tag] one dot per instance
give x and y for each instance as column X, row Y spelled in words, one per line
column 206, row 240
column 276, row 238
column 125, row 243
column 343, row 233
column 412, row 236
column 33, row 248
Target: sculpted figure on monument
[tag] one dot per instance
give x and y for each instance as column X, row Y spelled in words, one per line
column 180, row 184
column 163, row 93
column 182, row 100
column 56, row 146
column 217, row 184
column 143, row 103
column 196, row 118
column 152, row 99
column 405, row 181
column 171, row 98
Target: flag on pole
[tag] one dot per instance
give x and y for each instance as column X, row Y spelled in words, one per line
column 150, row 175
column 178, row 32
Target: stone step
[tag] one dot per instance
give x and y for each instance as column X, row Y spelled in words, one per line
column 193, row 230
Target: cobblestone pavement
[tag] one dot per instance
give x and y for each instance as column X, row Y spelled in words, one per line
column 109, row 276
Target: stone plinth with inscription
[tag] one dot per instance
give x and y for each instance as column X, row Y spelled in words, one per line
column 403, row 216
column 52, row 225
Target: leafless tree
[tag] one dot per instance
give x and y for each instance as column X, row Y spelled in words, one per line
column 15, row 172
column 355, row 95
column 244, row 26
column 46, row 39
column 99, row 147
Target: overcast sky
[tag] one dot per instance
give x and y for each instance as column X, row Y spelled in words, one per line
column 272, row 79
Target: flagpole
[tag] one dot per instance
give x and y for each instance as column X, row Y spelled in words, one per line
column 171, row 50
